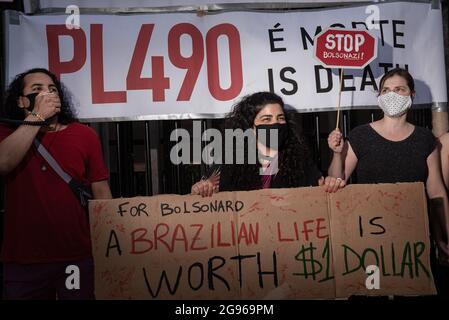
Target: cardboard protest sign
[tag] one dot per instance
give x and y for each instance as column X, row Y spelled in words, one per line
column 165, row 247
column 383, row 226
column 299, row 243
column 293, row 244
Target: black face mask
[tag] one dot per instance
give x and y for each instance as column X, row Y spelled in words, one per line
column 263, row 132
column 32, row 98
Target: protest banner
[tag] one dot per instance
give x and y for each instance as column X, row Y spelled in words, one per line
column 183, row 66
column 299, row 243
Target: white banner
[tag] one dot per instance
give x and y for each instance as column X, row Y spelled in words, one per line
column 173, row 66
column 44, row 4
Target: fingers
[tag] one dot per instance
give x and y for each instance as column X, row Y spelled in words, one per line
column 198, row 188
column 195, row 190
column 329, row 184
column 47, row 104
column 337, row 138
column 333, row 184
column 215, row 180
column 334, row 140
column 207, row 189
column 321, row 182
column 204, row 188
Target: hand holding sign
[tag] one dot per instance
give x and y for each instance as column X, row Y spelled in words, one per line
column 341, row 48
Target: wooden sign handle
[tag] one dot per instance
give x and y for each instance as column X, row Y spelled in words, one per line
column 339, row 99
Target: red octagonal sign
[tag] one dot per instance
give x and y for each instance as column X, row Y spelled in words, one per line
column 343, row 48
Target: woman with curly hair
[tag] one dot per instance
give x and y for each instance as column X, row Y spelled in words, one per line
column 285, row 164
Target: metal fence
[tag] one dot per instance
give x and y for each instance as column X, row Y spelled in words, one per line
column 138, row 153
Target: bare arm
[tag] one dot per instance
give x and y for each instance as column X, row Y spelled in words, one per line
column 16, row 145
column 336, row 167
column 439, row 206
column 101, row 190
column 344, row 159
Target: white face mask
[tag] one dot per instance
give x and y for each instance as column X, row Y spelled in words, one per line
column 393, row 104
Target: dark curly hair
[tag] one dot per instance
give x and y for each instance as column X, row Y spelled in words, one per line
column 11, row 111
column 292, row 158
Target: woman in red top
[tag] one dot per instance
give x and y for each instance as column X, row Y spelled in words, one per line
column 46, row 229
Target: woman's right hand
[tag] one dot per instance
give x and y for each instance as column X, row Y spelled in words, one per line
column 335, row 141
column 47, row 104
column 206, row 187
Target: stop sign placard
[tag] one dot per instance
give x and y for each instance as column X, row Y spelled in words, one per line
column 343, row 48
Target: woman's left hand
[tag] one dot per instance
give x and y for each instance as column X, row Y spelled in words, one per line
column 332, row 184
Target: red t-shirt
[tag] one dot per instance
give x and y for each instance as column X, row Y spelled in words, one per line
column 44, row 221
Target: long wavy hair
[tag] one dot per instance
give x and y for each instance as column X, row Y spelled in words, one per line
column 10, row 109
column 292, row 158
